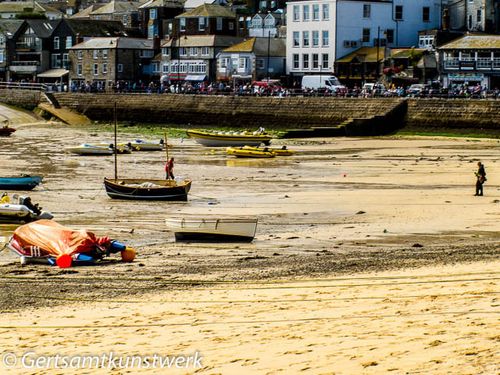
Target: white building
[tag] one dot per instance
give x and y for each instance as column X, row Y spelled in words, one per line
column 321, row 31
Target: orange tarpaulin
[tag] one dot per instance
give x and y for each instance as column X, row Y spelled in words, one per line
column 55, row 239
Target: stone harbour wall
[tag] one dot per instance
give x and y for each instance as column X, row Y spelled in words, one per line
column 26, row 99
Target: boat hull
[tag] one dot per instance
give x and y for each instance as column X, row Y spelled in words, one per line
column 96, row 150
column 213, row 230
column 6, row 131
column 244, row 153
column 225, row 140
column 164, row 190
column 20, row 183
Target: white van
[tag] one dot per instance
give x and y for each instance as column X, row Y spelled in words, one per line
column 318, row 82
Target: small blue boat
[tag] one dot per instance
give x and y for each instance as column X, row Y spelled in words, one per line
column 20, row 183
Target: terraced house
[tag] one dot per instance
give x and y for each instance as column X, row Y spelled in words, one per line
column 8, row 28
column 105, row 61
column 321, row 31
column 197, row 37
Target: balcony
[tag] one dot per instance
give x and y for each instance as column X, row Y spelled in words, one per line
column 24, row 66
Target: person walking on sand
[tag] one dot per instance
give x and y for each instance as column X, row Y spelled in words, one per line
column 169, row 169
column 481, row 179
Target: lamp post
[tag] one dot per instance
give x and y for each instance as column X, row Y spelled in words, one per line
column 378, row 51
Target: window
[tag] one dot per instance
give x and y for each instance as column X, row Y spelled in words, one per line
column 55, row 60
column 182, row 24
column 316, row 12
column 2, row 39
column 56, row 42
column 389, row 33
column 326, row 12
column 165, row 68
column 426, row 14
column 315, row 38
column 398, row 12
column 156, row 67
column 366, row 36
column 69, row 42
column 296, row 39
column 165, row 51
column 470, row 21
column 96, row 69
column 325, row 38
column 305, row 61
column 104, row 53
column 367, row 10
column 325, row 61
column 79, row 54
column 120, row 68
column 219, row 23
column 296, row 61
column 205, row 51
column 125, row 19
column 2, row 58
column 201, row 23
column 231, row 25
column 95, row 54
column 479, row 15
column 242, row 63
column 305, row 12
column 193, row 51
column 260, row 64
column 225, row 62
column 315, row 61
column 183, row 51
column 79, row 69
column 65, row 60
column 152, row 14
column 296, row 13
column 305, row 38
column 147, row 53
column 104, row 68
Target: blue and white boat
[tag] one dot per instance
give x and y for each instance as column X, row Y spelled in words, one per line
column 24, row 182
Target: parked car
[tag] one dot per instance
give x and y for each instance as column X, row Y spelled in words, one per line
column 417, row 89
column 373, row 89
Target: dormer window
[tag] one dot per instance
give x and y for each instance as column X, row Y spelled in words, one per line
column 56, row 42
column 182, row 24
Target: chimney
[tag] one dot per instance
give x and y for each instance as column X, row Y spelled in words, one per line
column 446, row 19
column 78, row 38
column 156, row 43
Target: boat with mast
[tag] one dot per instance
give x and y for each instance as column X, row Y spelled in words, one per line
column 143, row 188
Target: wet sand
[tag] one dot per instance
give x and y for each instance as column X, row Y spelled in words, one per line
column 346, row 206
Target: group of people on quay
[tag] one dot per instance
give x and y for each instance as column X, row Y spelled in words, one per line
column 435, row 90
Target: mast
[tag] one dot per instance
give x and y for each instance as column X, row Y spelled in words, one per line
column 116, row 147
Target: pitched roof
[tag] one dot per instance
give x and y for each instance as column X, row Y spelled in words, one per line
column 85, row 13
column 163, row 4
column 115, row 43
column 95, row 28
column 9, row 27
column 245, row 46
column 203, row 41
column 365, row 54
column 472, row 41
column 208, row 10
column 260, row 47
column 43, row 28
column 20, row 7
column 114, row 7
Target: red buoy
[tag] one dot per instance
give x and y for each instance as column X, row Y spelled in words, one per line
column 64, row 261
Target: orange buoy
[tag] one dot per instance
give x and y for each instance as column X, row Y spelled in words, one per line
column 64, row 261
column 128, row 255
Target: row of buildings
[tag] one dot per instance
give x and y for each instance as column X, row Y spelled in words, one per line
column 401, row 41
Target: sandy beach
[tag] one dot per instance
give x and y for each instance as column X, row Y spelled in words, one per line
column 371, row 256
